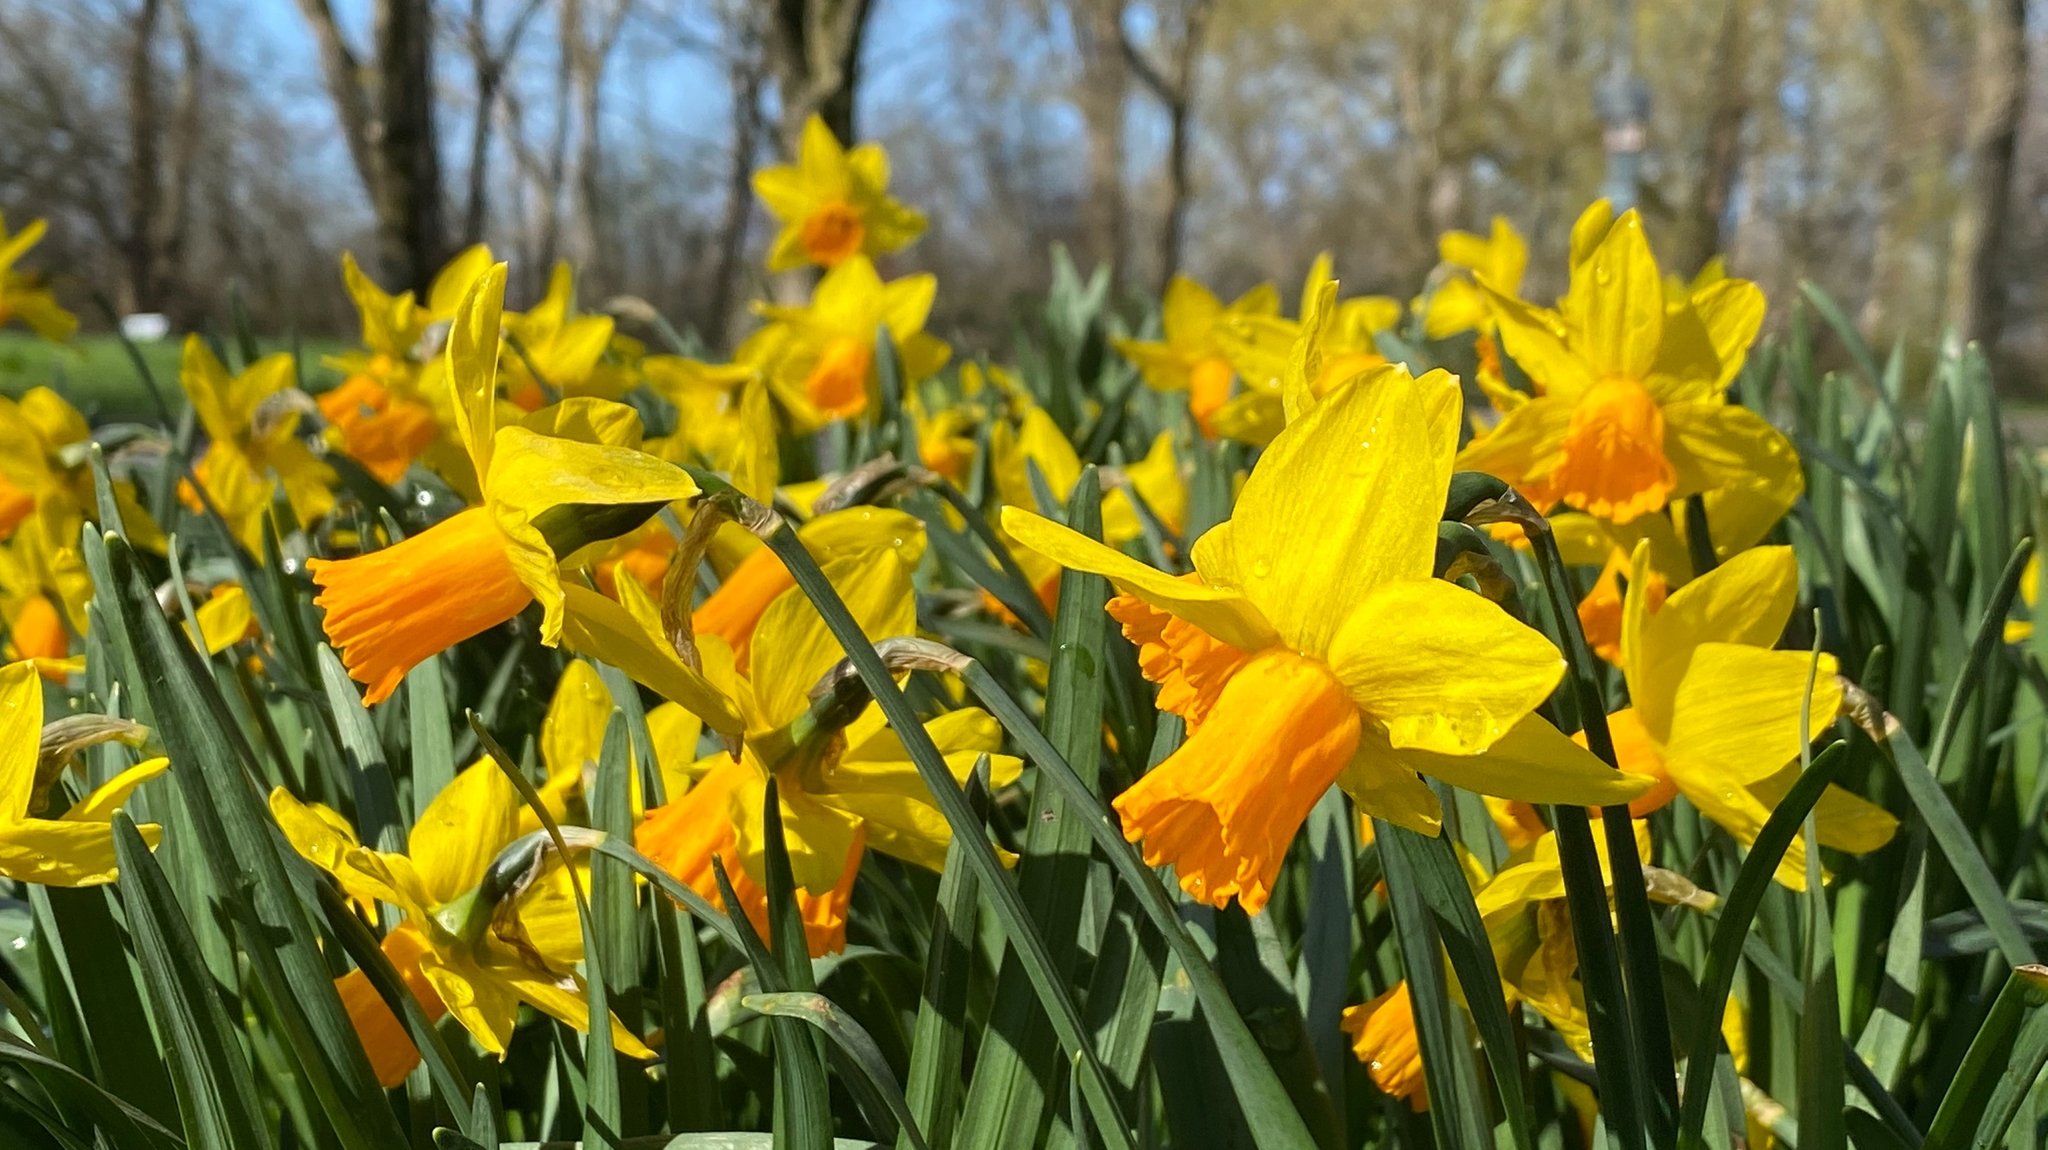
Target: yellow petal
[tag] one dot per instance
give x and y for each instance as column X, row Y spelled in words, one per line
column 1617, row 297
column 1223, row 613
column 1534, row 340
column 473, row 365
column 599, row 628
column 1440, row 668
column 463, row 829
column 1385, row 788
column 454, row 279
column 21, row 733
column 1345, row 500
column 224, row 619
column 572, row 732
column 1533, row 763
column 57, row 853
column 1187, row 311
column 538, row 483
column 1746, row 600
column 112, row 795
column 793, row 647
column 1738, row 711
column 1713, row 445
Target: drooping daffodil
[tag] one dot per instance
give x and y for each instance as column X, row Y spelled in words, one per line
column 76, row 847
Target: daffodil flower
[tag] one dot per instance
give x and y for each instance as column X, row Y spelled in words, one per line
column 560, row 483
column 473, row 942
column 378, row 414
column 1458, row 304
column 254, row 448
column 561, row 353
column 1192, row 356
column 841, row 790
column 827, row 371
column 1528, row 930
column 864, row 534
column 44, row 592
column 572, row 738
column 1311, row 646
column 44, row 470
column 1717, row 716
column 23, row 295
column 1631, row 406
column 833, row 204
column 1262, row 348
column 75, row 848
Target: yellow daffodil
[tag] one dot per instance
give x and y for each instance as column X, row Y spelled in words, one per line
column 45, row 471
column 863, row 534
column 1193, row 357
column 1311, row 646
column 44, row 591
column 827, row 371
column 378, row 414
column 840, row 791
column 1458, row 304
column 75, row 848
column 254, row 450
column 1332, row 344
column 472, row 942
column 560, row 483
column 24, row 295
column 833, row 204
column 1528, row 929
column 2021, row 630
column 1716, row 715
column 224, row 618
column 572, row 738
column 557, row 352
column 1631, row 407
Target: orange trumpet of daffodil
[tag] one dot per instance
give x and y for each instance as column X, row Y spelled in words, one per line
column 840, row 789
column 833, row 203
column 1311, row 646
column 1192, row 356
column 1630, row 410
column 564, row 479
column 1717, row 716
column 826, row 369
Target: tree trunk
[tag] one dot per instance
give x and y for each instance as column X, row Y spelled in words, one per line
column 1707, row 204
column 817, row 64
column 1976, row 287
column 412, row 239
column 1105, row 80
column 749, row 76
column 389, row 128
column 144, row 169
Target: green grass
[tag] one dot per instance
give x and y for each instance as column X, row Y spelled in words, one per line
column 98, row 376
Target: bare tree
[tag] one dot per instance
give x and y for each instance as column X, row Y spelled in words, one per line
column 489, row 58
column 1998, row 86
column 1174, row 86
column 386, row 108
column 747, row 72
column 1103, row 84
column 817, row 62
column 590, row 30
column 1714, row 179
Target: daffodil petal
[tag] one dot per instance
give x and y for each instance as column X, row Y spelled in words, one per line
column 21, row 732
column 1738, row 711
column 1534, row 763
column 793, row 648
column 462, row 830
column 110, row 796
column 1440, row 668
column 1346, row 500
column 595, row 626
column 1223, row 613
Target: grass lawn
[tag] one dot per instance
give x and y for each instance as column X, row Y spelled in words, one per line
column 96, row 373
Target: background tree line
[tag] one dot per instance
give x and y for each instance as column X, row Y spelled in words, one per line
column 1878, row 147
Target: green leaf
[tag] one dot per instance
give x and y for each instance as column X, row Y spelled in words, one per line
column 2004, row 1061
column 213, row 1079
column 933, row 1084
column 1738, row 909
column 853, row 1041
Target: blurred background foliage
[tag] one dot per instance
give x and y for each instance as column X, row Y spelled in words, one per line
column 1878, row 148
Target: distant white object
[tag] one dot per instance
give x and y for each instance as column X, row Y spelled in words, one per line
column 146, row 327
